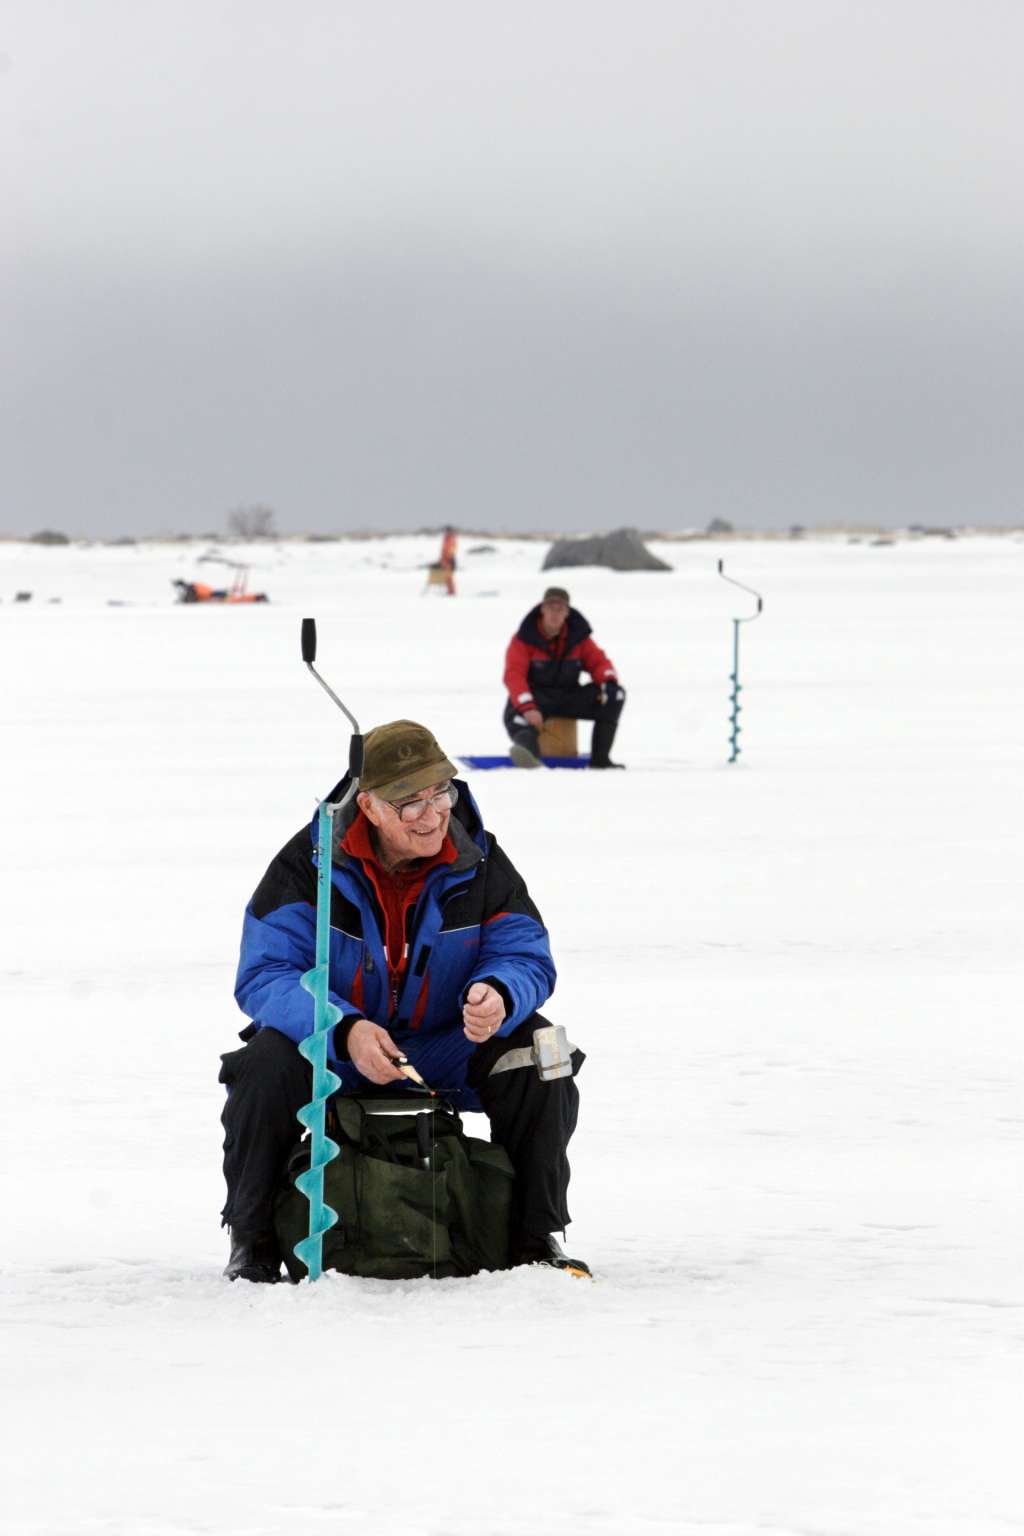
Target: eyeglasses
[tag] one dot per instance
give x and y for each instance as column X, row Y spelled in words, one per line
column 412, row 810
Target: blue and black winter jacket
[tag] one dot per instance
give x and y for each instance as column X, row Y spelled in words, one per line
column 473, row 921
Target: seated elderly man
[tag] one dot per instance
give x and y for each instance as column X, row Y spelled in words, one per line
column 437, row 954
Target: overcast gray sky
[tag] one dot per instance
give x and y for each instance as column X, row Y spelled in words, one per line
column 559, row 265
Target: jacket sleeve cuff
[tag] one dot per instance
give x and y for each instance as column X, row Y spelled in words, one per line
column 502, row 991
column 339, row 1048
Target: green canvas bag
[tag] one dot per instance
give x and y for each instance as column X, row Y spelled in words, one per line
column 414, row 1194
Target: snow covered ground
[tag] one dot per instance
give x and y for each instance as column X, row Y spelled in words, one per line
column 798, row 1169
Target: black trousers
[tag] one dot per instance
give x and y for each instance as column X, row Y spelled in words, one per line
column 579, row 703
column 268, row 1081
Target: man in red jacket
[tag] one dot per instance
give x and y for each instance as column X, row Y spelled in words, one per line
column 545, row 657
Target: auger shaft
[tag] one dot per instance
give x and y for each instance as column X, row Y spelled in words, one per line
column 734, row 697
column 734, row 675
column 325, row 1013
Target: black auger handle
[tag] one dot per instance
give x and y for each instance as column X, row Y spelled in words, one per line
column 355, row 757
column 309, row 656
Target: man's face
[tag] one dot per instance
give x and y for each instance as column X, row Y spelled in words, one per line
column 401, row 840
column 553, row 615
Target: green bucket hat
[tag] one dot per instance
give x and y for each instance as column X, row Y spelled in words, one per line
column 400, row 759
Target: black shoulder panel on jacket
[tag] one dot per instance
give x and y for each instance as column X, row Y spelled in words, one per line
column 497, row 887
column 290, row 877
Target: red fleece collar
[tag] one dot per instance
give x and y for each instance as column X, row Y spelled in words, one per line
column 358, row 842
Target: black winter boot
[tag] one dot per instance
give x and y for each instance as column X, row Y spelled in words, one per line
column 254, row 1257
column 601, row 743
column 548, row 1251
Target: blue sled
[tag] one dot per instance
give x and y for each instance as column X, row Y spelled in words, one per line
column 506, row 762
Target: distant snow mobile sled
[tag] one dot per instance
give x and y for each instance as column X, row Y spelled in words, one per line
column 237, row 592
column 199, row 592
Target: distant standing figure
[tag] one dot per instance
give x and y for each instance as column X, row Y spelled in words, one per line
column 545, row 657
column 442, row 572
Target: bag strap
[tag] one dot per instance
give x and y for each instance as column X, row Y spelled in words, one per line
column 521, row 1057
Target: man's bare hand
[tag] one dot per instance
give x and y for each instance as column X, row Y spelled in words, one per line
column 533, row 717
column 369, row 1047
column 483, row 1012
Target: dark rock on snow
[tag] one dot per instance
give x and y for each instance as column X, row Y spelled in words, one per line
column 623, row 550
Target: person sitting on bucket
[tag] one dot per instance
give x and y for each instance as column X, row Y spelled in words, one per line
column 545, row 657
column 437, row 954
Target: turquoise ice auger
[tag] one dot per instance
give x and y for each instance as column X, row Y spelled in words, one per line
column 734, row 675
column 325, row 1013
